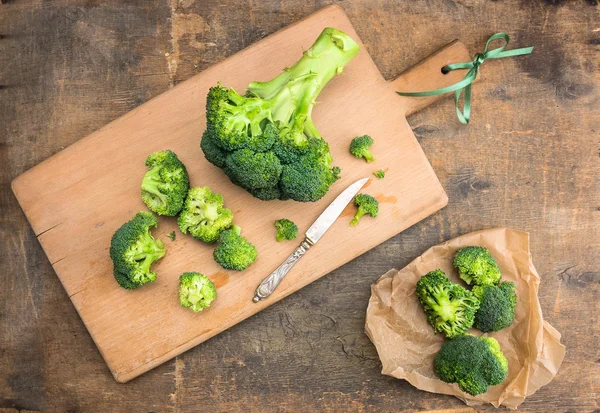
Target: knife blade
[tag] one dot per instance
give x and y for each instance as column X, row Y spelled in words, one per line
column 313, row 234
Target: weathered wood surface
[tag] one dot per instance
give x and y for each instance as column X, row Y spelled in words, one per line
column 530, row 160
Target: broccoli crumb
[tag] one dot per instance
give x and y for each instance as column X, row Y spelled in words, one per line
column 171, row 235
column 379, row 174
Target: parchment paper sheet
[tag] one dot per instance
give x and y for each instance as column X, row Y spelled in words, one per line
column 407, row 345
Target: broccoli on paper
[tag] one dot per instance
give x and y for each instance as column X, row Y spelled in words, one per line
column 450, row 309
column 265, row 140
column 474, row 363
column 234, row 252
column 366, row 205
column 477, row 266
column 286, row 229
column 133, row 249
column 203, row 215
column 196, row 291
column 497, row 310
column 359, row 147
column 166, row 183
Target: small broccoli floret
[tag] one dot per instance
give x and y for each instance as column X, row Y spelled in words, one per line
column 286, row 229
column 359, row 147
column 265, row 139
column 450, row 309
column 477, row 266
column 497, row 310
column 366, row 205
column 171, row 235
column 474, row 363
column 203, row 215
column 166, row 183
column 196, row 291
column 234, row 252
column 133, row 249
column 379, row 174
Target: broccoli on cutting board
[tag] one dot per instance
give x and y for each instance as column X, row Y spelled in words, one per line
column 366, row 205
column 196, row 291
column 474, row 363
column 234, row 252
column 360, row 148
column 165, row 185
column 265, row 140
column 450, row 309
column 133, row 249
column 203, row 215
column 286, row 230
column 477, row 266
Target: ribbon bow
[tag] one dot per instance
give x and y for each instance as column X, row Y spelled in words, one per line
column 467, row 81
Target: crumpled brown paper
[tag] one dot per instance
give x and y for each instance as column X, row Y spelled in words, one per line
column 407, row 345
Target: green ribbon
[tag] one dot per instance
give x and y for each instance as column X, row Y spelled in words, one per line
column 467, row 81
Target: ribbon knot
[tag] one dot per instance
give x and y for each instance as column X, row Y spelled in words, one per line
column 473, row 67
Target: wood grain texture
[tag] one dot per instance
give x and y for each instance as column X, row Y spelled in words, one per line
column 529, row 160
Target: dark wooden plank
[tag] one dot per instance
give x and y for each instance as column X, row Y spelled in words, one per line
column 529, row 160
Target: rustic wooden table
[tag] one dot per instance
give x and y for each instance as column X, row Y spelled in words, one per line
column 529, row 160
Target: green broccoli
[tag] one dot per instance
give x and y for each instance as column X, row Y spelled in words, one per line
column 450, row 309
column 359, row 147
column 171, row 235
column 166, row 183
column 286, row 229
column 234, row 252
column 474, row 363
column 366, row 205
column 265, row 140
column 203, row 215
column 196, row 291
column 497, row 309
column 379, row 174
column 477, row 266
column 133, row 249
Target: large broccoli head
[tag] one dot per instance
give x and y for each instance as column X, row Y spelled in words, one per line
column 166, row 183
column 497, row 309
column 450, row 309
column 196, row 291
column 474, row 363
column 366, row 205
column 477, row 266
column 266, row 140
column 359, row 147
column 203, row 215
column 234, row 252
column 133, row 249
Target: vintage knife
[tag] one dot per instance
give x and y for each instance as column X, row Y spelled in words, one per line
column 314, row 233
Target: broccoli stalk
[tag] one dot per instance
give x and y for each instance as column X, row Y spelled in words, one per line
column 359, row 147
column 474, row 363
column 203, row 215
column 450, row 309
column 366, row 205
column 165, row 185
column 477, row 266
column 286, row 230
column 266, row 140
column 196, row 291
column 497, row 310
column 133, row 249
column 234, row 252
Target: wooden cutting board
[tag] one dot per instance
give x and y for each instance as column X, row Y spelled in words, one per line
column 76, row 199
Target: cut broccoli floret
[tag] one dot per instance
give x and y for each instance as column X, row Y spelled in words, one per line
column 133, row 249
column 474, row 363
column 366, row 205
column 234, row 252
column 359, row 147
column 477, row 266
column 379, row 174
column 450, row 309
column 196, row 291
column 266, row 140
column 166, row 183
column 497, row 309
column 286, row 229
column 203, row 215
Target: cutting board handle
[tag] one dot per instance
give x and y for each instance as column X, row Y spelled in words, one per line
column 427, row 75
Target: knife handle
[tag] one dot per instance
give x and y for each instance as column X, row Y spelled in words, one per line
column 269, row 284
